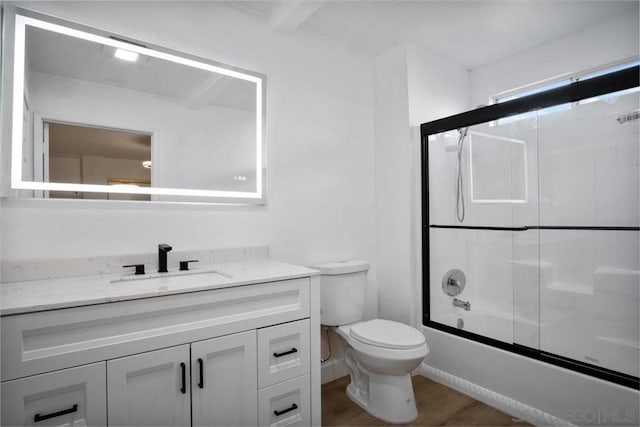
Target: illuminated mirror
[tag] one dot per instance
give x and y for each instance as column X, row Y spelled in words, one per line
column 98, row 116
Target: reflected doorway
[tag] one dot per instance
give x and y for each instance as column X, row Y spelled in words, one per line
column 81, row 154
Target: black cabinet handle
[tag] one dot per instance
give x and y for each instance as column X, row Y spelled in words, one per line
column 184, row 378
column 139, row 268
column 71, row 410
column 201, row 382
column 284, row 353
column 284, row 411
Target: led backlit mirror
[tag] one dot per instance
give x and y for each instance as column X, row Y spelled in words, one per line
column 97, row 116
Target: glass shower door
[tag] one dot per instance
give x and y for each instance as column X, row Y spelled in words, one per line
column 497, row 191
column 588, row 239
column 548, row 241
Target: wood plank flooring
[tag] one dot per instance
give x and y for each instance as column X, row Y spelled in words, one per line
column 438, row 405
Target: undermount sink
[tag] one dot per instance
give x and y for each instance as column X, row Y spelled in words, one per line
column 176, row 278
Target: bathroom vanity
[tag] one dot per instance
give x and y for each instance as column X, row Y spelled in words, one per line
column 230, row 344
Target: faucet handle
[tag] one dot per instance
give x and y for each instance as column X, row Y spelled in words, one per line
column 184, row 265
column 139, row 268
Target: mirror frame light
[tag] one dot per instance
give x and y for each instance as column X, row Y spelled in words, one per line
column 24, row 18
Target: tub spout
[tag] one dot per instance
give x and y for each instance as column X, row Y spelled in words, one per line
column 462, row 304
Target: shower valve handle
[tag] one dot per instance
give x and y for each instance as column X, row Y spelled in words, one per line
column 453, row 282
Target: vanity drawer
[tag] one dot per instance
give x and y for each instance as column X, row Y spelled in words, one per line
column 75, row 396
column 286, row 403
column 283, row 352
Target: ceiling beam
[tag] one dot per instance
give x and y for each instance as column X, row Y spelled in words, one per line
column 287, row 15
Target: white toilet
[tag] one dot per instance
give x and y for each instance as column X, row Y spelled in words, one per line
column 380, row 354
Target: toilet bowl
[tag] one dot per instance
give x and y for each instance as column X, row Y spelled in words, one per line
column 379, row 354
column 384, row 346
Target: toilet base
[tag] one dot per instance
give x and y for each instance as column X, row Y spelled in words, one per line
column 390, row 398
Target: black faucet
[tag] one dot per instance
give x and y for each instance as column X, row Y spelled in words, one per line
column 163, row 248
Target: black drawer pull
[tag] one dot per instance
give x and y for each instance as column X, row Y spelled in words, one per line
column 183, row 389
column 284, row 411
column 201, row 382
column 284, row 353
column 71, row 410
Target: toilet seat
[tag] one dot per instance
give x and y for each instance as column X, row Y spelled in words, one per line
column 387, row 334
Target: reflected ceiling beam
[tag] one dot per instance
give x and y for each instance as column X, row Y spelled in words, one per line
column 287, row 15
column 207, row 91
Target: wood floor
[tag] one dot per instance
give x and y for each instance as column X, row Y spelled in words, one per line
column 437, row 406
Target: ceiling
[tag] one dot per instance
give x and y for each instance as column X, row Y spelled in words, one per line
column 468, row 33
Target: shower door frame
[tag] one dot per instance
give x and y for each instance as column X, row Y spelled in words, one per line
column 574, row 92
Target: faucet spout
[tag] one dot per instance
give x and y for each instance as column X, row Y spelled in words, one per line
column 462, row 304
column 163, row 248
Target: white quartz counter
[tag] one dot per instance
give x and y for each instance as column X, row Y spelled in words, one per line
column 51, row 294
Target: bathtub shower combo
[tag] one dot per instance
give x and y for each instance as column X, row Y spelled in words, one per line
column 531, row 225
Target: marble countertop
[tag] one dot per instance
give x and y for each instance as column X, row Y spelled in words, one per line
column 50, row 294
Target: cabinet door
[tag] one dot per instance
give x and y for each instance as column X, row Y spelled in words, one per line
column 71, row 397
column 224, row 382
column 150, row 389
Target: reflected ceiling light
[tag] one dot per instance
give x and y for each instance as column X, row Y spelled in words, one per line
column 126, row 55
column 147, row 164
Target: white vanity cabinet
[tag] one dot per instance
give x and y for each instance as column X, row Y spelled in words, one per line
column 239, row 355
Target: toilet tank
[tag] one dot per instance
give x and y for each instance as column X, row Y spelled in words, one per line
column 342, row 289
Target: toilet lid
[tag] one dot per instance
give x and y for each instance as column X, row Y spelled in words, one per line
column 387, row 334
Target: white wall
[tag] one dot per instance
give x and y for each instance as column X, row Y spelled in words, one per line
column 392, row 185
column 437, row 87
column 320, row 149
column 413, row 86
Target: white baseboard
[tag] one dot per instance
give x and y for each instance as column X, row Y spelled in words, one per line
column 505, row 404
column 333, row 369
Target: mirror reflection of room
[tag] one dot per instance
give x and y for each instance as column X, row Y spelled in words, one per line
column 88, row 155
column 200, row 118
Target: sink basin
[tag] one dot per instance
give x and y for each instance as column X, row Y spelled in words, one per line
column 175, row 280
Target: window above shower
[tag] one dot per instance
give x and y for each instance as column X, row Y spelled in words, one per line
column 561, row 81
